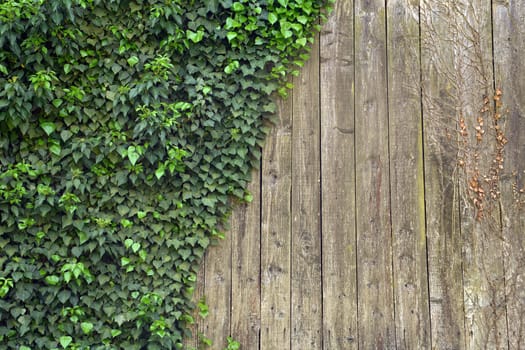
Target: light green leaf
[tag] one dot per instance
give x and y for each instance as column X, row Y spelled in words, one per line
column 135, row 247
column 231, row 36
column 133, row 155
column 115, row 332
column 133, row 60
column 65, row 341
column 52, row 280
column 128, row 242
column 67, row 276
column 159, row 173
column 48, row 127
column 86, row 327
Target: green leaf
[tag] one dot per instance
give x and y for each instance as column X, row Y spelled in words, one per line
column 195, row 36
column 86, row 327
column 272, row 18
column 48, row 127
column 115, row 333
column 132, row 61
column 55, row 148
column 65, row 341
column 57, row 102
column 159, row 173
column 133, row 155
column 135, row 247
column 128, row 242
column 67, row 276
column 231, row 35
column 237, row 7
column 52, row 280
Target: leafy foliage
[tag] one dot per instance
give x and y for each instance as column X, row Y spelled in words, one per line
column 127, row 130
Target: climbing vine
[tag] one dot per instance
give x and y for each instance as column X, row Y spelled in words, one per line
column 128, row 129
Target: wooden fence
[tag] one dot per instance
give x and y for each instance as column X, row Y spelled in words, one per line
column 388, row 210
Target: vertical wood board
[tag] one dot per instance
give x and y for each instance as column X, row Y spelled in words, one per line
column 406, row 177
column 374, row 248
column 246, row 269
column 306, row 284
column 338, row 180
column 441, row 190
column 276, row 233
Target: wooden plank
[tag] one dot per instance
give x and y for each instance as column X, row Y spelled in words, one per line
column 509, row 29
column 374, row 243
column 412, row 313
column 246, row 288
column 217, row 291
column 441, row 191
column 197, row 328
column 306, row 284
column 276, row 233
column 338, row 180
column 469, row 23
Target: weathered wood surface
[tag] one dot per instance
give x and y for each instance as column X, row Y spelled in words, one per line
column 375, row 308
column 409, row 259
column 276, row 233
column 444, row 244
column 338, row 181
column 246, row 265
column 306, row 285
column 509, row 46
column 363, row 231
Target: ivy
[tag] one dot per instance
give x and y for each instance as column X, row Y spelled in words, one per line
column 128, row 129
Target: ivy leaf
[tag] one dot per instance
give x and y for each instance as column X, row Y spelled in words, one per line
column 195, row 36
column 128, row 242
column 115, row 332
column 231, row 36
column 133, row 60
column 237, row 7
column 159, row 173
column 48, row 127
column 272, row 18
column 135, row 247
column 86, row 327
column 54, row 147
column 65, row 341
column 133, row 155
column 52, row 280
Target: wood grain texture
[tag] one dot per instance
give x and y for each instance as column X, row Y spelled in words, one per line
column 509, row 30
column 246, row 269
column 197, row 328
column 374, row 234
column 338, row 180
column 444, row 241
column 306, row 283
column 276, row 231
column 217, row 289
column 366, row 235
column 483, row 276
column 412, row 313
